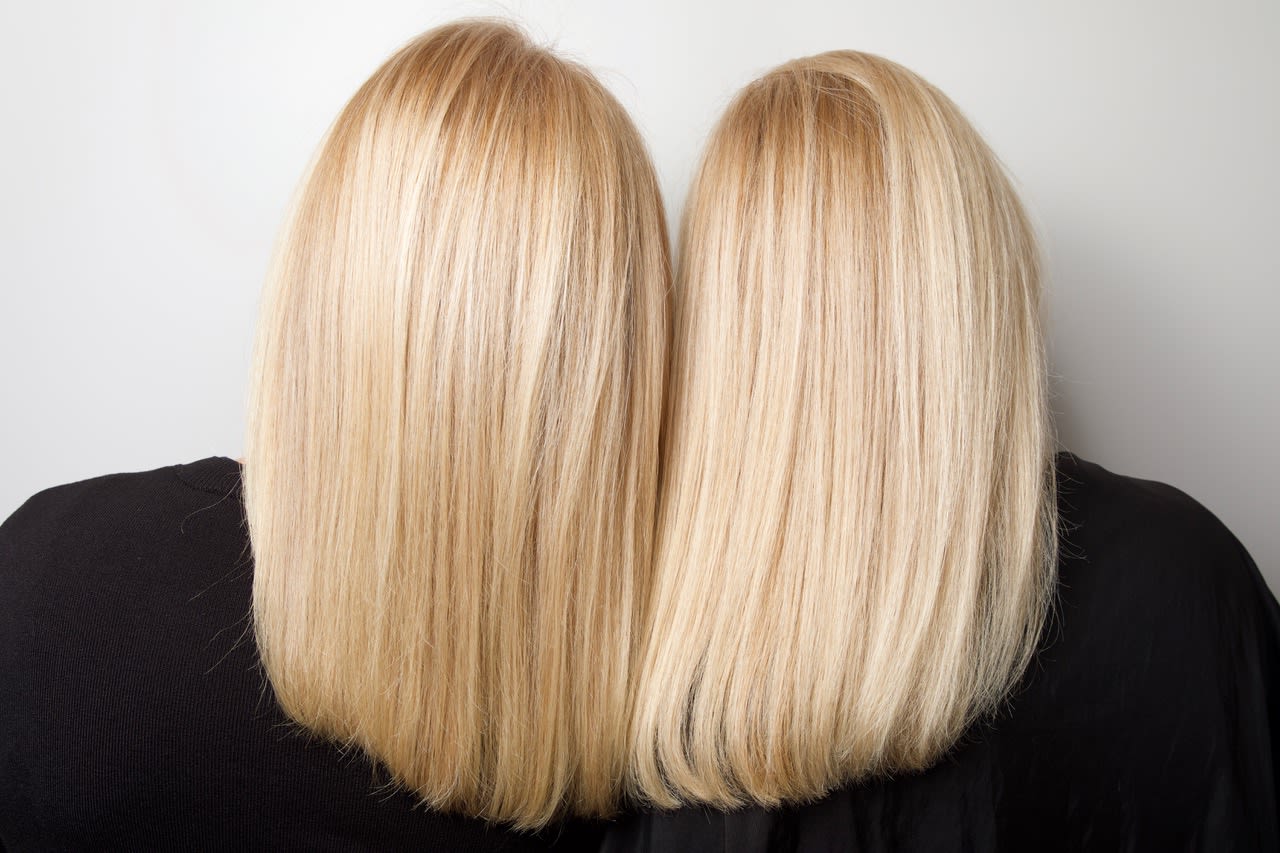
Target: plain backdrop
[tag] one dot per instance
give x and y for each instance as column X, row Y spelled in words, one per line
column 148, row 150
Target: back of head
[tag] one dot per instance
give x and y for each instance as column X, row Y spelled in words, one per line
column 856, row 535
column 452, row 454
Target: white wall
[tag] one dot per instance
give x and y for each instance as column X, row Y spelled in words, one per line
column 148, row 150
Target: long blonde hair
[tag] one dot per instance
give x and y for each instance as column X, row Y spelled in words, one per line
column 856, row 538
column 451, row 462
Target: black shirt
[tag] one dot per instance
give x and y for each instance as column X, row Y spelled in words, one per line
column 1149, row 720
column 134, row 713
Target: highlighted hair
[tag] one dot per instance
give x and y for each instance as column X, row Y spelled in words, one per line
column 452, row 453
column 856, row 540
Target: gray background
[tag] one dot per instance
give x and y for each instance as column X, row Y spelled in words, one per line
column 149, row 149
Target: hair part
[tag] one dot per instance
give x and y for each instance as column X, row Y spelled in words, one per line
column 856, row 540
column 451, row 460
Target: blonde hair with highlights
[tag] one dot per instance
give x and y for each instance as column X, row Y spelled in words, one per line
column 451, row 462
column 856, row 538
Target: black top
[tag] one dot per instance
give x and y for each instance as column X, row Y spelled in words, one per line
column 1150, row 719
column 134, row 714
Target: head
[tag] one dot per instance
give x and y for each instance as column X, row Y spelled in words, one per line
column 856, row 541
column 451, row 461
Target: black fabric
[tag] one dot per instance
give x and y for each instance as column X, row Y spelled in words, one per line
column 133, row 710
column 1147, row 722
column 134, row 714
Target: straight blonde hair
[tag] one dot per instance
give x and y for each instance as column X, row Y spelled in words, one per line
column 451, row 463
column 856, row 541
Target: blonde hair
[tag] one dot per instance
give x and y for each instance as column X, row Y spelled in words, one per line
column 856, row 537
column 451, row 463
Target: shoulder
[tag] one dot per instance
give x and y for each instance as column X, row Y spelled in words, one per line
column 1144, row 535
column 116, row 526
column 121, row 497
column 1133, row 510
column 1155, row 600
column 101, row 574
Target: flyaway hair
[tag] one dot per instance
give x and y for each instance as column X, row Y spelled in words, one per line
column 856, row 538
column 451, row 460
